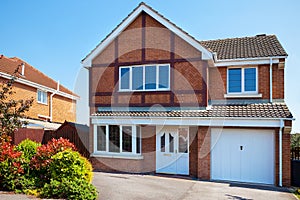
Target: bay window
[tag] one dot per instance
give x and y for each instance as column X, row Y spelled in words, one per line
column 118, row 139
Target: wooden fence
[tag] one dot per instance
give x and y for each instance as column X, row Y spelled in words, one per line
column 76, row 133
column 295, row 153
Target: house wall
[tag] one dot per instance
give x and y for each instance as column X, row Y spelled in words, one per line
column 63, row 108
column 146, row 41
column 218, row 82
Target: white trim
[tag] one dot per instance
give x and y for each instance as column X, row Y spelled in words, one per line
column 190, row 121
column 242, row 95
column 280, row 152
column 38, row 86
column 243, row 92
column 87, row 61
column 118, row 155
column 247, row 61
column 157, row 66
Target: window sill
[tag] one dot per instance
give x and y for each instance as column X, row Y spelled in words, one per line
column 242, row 95
column 39, row 102
column 108, row 155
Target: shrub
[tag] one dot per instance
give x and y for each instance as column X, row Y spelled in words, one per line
column 28, row 149
column 70, row 165
column 69, row 189
column 11, row 169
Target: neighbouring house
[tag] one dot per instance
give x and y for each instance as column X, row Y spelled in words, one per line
column 163, row 102
column 53, row 103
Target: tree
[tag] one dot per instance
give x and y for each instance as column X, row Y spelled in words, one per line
column 11, row 110
column 295, row 140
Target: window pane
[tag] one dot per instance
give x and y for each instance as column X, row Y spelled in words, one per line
column 39, row 96
column 114, row 138
column 137, row 78
column 163, row 76
column 101, row 138
column 250, row 79
column 126, row 139
column 44, row 99
column 150, row 77
column 234, row 83
column 138, row 139
column 125, row 78
column 162, row 143
column 183, row 140
column 171, row 143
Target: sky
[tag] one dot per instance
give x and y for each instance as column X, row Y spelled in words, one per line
column 54, row 36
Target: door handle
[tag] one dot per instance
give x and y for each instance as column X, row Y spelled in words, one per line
column 241, row 147
column 175, row 150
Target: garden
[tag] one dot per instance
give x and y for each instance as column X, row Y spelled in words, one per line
column 53, row 170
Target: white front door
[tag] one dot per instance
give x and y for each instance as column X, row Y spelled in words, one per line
column 172, row 150
column 244, row 155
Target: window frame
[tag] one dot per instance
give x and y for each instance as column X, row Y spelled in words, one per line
column 243, row 80
column 144, row 78
column 42, row 96
column 121, row 153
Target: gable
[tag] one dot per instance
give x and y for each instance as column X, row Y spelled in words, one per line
column 133, row 20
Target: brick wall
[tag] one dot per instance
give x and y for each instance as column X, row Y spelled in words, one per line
column 146, row 41
column 193, row 157
column 63, row 108
column 204, row 135
column 218, row 82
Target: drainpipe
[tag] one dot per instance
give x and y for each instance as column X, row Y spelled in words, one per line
column 51, row 100
column 271, row 80
column 280, row 152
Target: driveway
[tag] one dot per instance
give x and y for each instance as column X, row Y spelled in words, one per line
column 126, row 186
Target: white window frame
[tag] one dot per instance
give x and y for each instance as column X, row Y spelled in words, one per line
column 42, row 97
column 120, row 154
column 243, row 80
column 144, row 78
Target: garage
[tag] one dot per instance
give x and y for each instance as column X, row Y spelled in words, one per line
column 243, row 155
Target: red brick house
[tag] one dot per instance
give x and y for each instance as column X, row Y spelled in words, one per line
column 52, row 101
column 163, row 102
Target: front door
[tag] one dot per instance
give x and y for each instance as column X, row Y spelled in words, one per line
column 172, row 151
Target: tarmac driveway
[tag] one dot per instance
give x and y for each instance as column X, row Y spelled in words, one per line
column 126, row 186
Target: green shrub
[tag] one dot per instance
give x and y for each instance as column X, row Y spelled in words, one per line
column 69, row 189
column 70, row 165
column 28, row 149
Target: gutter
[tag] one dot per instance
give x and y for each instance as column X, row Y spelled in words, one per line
column 51, row 100
column 280, row 152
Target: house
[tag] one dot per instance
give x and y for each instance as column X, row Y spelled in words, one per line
column 163, row 102
column 52, row 101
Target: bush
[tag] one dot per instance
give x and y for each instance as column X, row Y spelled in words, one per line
column 69, row 189
column 11, row 169
column 70, row 165
column 28, row 149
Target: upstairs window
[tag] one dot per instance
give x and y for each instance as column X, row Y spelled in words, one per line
column 242, row 80
column 42, row 97
column 144, row 78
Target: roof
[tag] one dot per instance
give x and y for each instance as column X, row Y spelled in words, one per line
column 143, row 7
column 9, row 66
column 263, row 110
column 246, row 47
column 42, row 124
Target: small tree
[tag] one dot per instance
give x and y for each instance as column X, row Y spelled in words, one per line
column 11, row 110
column 295, row 140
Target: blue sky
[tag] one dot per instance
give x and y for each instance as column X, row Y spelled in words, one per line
column 55, row 35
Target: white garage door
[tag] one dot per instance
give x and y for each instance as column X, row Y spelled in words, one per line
column 244, row 155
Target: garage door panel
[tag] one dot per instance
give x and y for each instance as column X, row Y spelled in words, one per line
column 245, row 155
